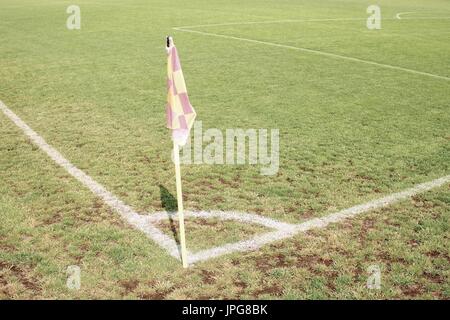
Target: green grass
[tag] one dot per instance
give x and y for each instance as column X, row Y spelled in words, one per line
column 349, row 133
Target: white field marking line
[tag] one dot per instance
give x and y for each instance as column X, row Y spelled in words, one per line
column 267, row 22
column 427, row 18
column 398, row 15
column 299, row 20
column 128, row 214
column 323, row 53
column 260, row 240
column 145, row 223
column 226, row 215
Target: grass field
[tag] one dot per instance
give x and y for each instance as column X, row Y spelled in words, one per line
column 351, row 131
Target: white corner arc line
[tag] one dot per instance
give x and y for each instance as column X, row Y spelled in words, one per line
column 312, row 51
column 125, row 211
column 226, row 215
column 146, row 223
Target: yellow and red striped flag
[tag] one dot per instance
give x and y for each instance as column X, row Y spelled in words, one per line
column 179, row 111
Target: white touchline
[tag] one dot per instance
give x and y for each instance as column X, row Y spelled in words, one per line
column 318, row 52
column 146, row 223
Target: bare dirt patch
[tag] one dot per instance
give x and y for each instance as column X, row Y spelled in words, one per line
column 22, row 274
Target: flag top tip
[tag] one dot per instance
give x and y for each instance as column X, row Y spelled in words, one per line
column 169, row 41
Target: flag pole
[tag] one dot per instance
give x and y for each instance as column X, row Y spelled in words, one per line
column 176, row 157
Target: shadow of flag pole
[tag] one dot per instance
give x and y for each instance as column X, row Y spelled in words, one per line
column 176, row 157
column 180, row 118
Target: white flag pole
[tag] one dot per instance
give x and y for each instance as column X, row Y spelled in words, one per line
column 176, row 158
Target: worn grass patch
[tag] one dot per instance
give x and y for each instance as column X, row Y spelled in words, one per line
column 408, row 242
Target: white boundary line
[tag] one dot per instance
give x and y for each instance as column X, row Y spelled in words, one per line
column 267, row 22
column 225, row 215
column 237, row 23
column 318, row 52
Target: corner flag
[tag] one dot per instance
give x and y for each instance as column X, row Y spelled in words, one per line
column 179, row 111
column 180, row 118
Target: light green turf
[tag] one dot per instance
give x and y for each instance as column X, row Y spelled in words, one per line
column 349, row 132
